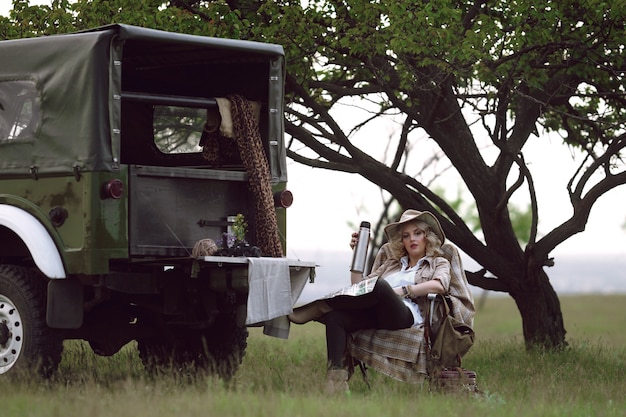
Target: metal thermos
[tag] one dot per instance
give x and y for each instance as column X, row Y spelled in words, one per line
column 359, row 255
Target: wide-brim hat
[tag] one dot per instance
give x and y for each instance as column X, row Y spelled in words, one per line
column 392, row 230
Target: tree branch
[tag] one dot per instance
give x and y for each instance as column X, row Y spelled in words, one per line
column 479, row 279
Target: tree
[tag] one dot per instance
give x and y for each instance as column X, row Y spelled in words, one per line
column 462, row 73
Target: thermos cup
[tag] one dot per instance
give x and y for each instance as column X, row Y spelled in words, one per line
column 359, row 255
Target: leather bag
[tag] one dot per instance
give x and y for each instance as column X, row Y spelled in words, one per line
column 452, row 339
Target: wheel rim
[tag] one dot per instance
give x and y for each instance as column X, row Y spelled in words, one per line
column 11, row 334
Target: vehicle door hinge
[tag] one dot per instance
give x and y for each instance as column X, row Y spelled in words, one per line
column 77, row 174
column 34, row 171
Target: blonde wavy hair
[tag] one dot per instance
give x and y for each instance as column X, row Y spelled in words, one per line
column 433, row 243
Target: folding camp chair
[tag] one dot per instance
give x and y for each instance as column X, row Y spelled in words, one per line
column 402, row 354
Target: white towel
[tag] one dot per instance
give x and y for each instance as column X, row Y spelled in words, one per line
column 279, row 327
column 269, row 293
column 226, row 126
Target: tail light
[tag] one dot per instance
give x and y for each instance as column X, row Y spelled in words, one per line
column 113, row 189
column 283, row 199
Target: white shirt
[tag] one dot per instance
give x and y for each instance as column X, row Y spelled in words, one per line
column 405, row 277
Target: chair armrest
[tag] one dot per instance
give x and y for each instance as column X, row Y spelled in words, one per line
column 434, row 313
column 432, row 298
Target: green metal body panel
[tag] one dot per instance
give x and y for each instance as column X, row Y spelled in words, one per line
column 95, row 229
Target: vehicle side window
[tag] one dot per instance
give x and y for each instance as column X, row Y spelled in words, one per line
column 20, row 111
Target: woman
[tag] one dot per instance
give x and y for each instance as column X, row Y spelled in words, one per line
column 415, row 269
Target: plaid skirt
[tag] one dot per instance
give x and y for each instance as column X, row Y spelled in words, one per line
column 399, row 354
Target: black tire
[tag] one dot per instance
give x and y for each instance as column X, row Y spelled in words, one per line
column 227, row 344
column 27, row 344
column 217, row 350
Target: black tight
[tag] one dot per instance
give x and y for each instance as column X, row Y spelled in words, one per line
column 379, row 309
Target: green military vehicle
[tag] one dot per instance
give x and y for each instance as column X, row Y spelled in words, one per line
column 135, row 166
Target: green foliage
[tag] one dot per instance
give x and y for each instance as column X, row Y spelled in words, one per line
column 403, row 46
column 240, row 227
column 521, row 219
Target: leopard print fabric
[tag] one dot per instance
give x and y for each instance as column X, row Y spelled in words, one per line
column 248, row 140
column 217, row 149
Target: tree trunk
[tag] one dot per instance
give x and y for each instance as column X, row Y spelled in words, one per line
column 539, row 306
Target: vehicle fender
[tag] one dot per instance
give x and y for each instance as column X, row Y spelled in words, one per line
column 36, row 238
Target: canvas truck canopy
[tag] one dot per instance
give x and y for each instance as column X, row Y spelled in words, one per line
column 61, row 96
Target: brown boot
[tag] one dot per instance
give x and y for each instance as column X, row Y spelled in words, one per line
column 336, row 382
column 308, row 312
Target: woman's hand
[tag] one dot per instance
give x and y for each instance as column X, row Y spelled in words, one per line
column 422, row 289
column 354, row 240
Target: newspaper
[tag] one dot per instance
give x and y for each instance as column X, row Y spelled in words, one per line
column 360, row 288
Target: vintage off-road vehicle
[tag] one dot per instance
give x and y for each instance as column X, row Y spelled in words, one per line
column 125, row 155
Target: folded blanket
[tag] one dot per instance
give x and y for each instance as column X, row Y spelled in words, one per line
column 279, row 326
column 270, row 289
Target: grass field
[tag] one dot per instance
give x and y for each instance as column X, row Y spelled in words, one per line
column 285, row 377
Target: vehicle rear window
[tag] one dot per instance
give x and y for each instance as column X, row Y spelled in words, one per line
column 178, row 129
column 175, row 134
column 20, row 111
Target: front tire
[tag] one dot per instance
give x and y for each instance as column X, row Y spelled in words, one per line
column 26, row 343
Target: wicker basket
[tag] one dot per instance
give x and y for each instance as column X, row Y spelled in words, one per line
column 454, row 381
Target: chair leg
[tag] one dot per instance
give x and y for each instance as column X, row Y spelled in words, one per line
column 363, row 368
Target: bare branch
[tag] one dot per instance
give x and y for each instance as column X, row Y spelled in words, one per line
column 479, row 279
column 612, row 150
